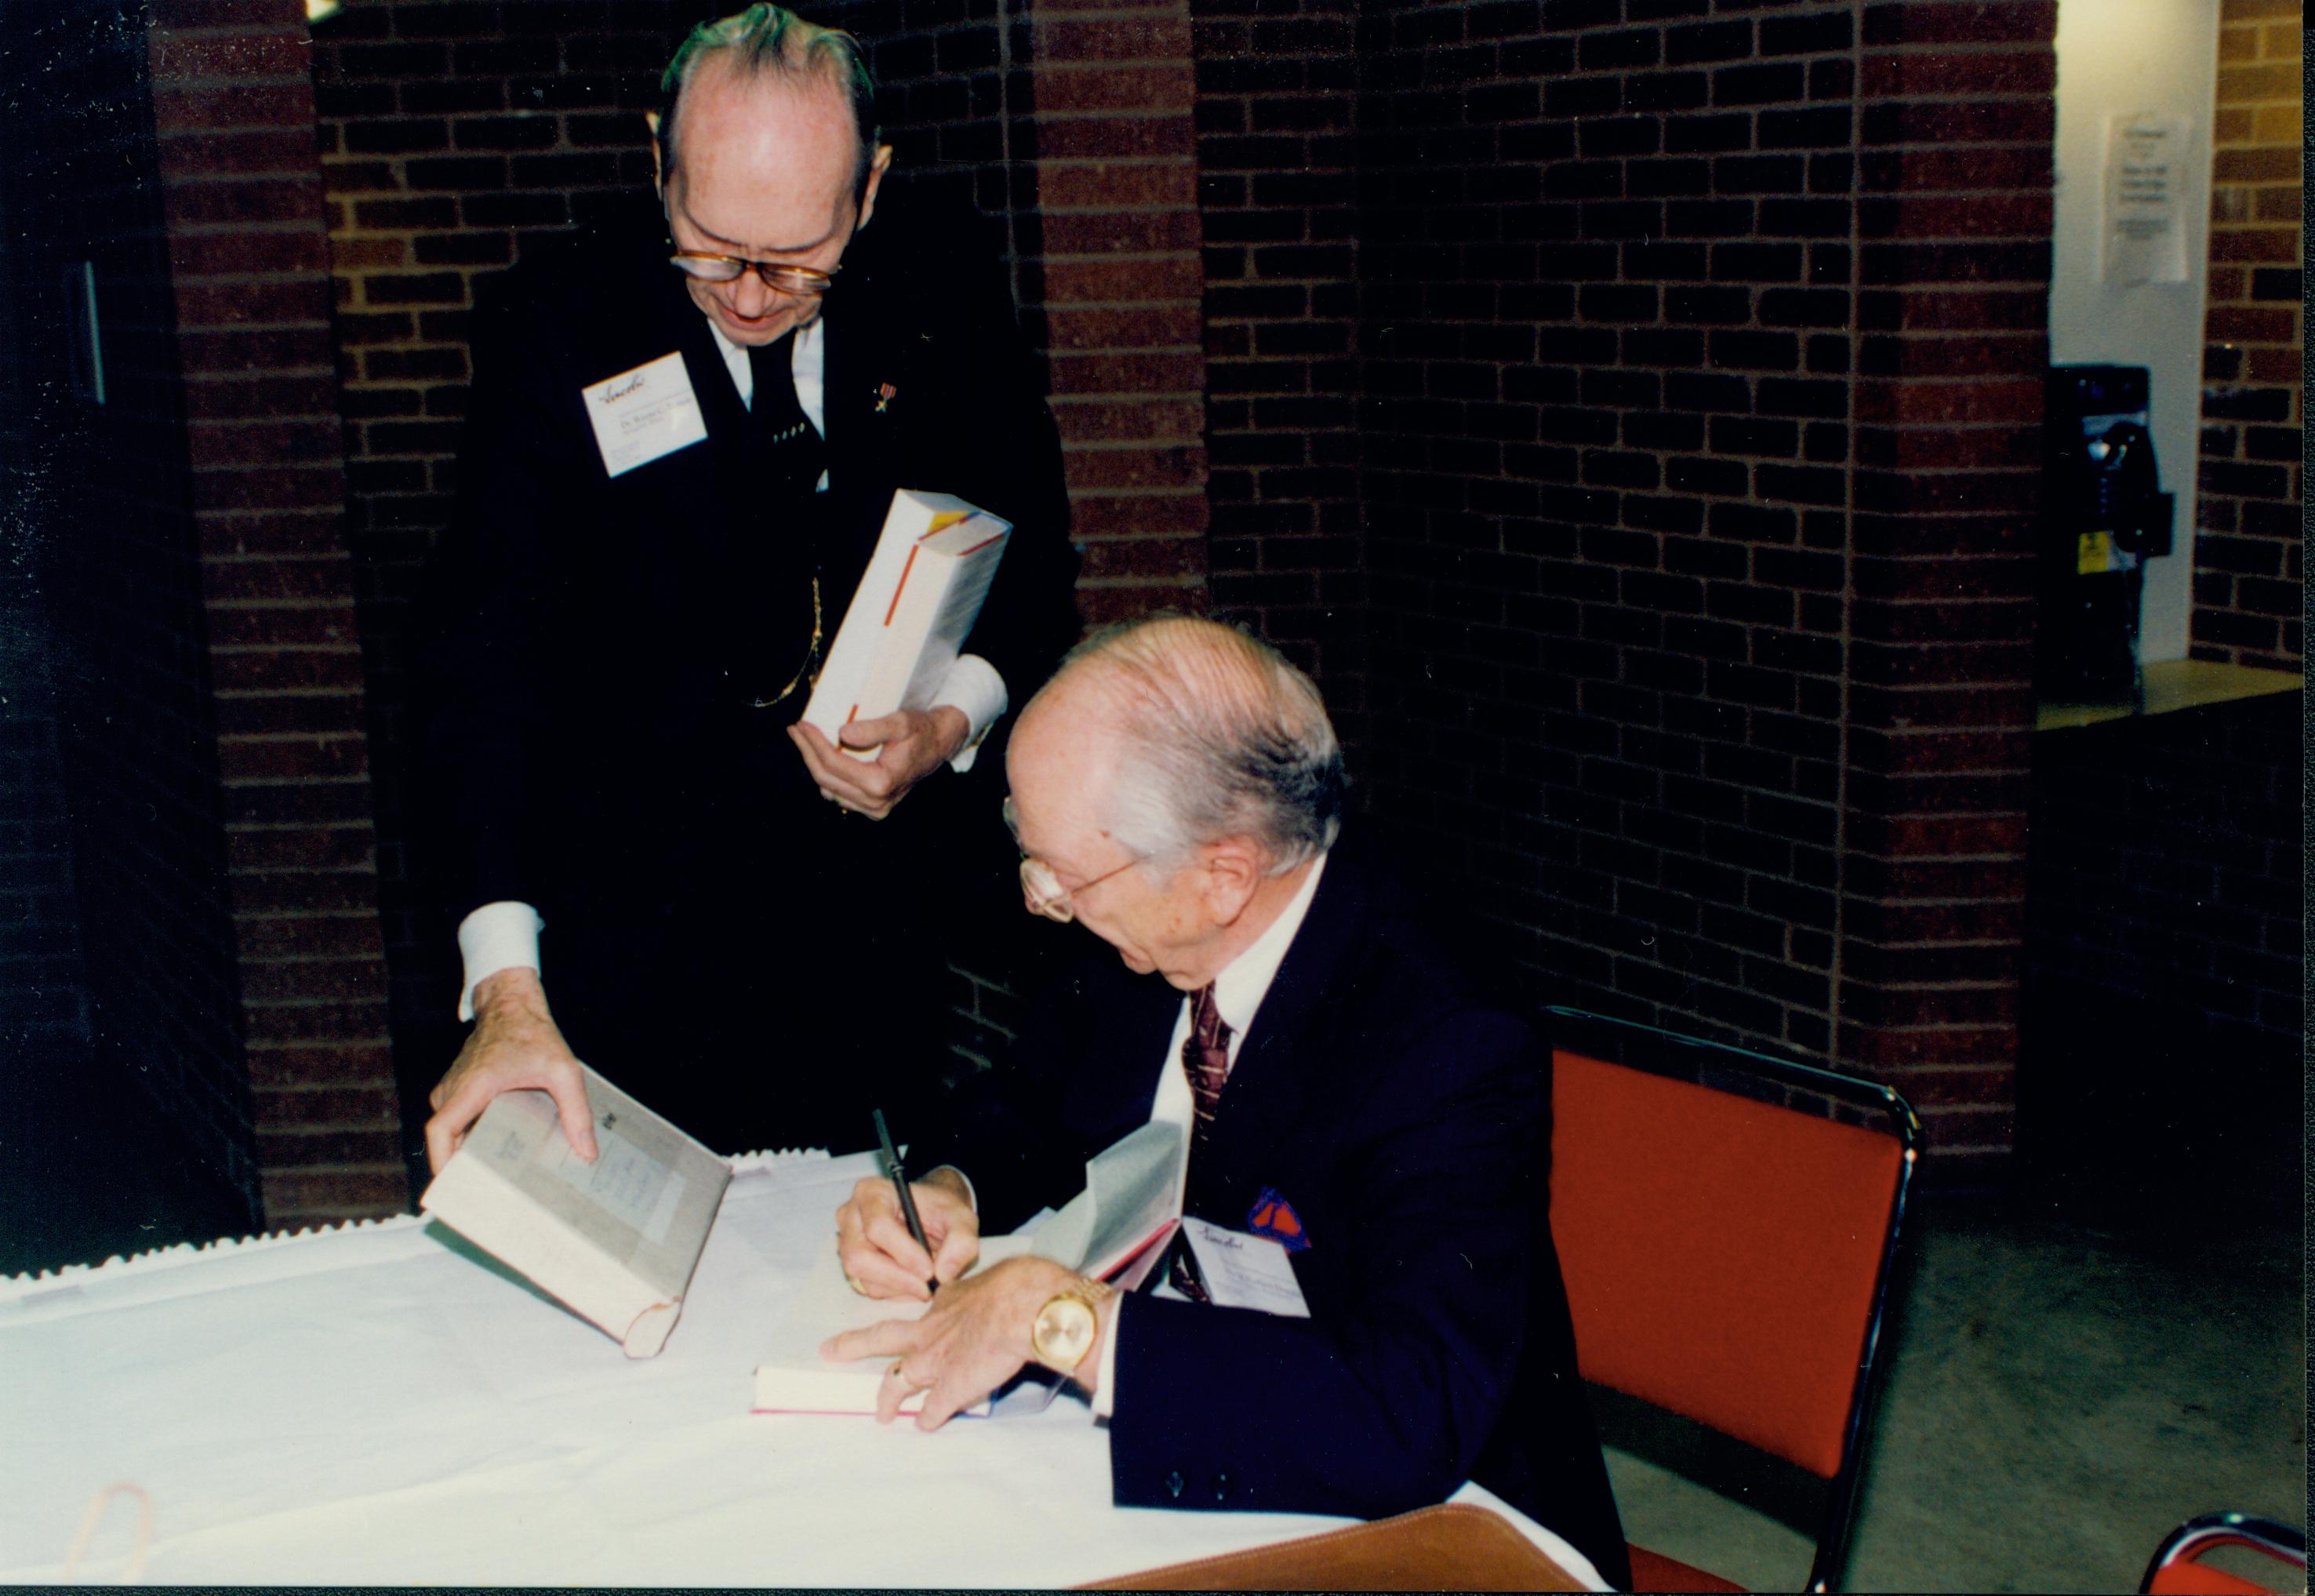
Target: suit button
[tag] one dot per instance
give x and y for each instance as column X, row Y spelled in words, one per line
column 1222, row 1486
column 1173, row 1483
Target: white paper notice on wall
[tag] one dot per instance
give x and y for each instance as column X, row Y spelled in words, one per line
column 2146, row 188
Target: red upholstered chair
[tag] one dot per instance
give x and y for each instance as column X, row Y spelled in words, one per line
column 1727, row 1257
column 2178, row 1568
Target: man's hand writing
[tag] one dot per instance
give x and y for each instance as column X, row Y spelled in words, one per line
column 882, row 1259
column 910, row 744
column 514, row 1045
column 974, row 1338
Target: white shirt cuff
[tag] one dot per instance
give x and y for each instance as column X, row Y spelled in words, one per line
column 971, row 1200
column 495, row 937
column 973, row 688
column 1104, row 1395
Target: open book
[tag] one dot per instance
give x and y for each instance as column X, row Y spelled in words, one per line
column 1130, row 1204
column 615, row 1240
column 906, row 623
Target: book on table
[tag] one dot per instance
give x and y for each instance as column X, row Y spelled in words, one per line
column 1113, row 1229
column 909, row 619
column 615, row 1241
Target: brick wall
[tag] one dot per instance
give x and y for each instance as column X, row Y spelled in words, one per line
column 2248, row 542
column 1277, row 104
column 118, row 561
column 2165, row 940
column 1118, row 238
column 241, row 197
column 1698, row 352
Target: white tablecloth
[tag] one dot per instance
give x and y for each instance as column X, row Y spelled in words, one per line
column 378, row 1404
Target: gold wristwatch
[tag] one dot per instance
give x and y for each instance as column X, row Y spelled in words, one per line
column 1064, row 1331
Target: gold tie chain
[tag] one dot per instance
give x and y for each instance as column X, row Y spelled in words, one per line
column 811, row 659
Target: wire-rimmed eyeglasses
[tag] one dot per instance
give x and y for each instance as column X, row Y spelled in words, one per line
column 803, row 282
column 1042, row 889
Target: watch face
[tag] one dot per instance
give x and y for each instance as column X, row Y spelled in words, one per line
column 1063, row 1333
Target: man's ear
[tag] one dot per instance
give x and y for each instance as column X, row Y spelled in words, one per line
column 879, row 165
column 659, row 177
column 1233, row 871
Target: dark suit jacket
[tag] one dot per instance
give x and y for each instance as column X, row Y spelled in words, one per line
column 1399, row 1108
column 587, row 644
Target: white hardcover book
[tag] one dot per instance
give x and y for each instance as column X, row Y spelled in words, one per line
column 616, row 1241
column 917, row 601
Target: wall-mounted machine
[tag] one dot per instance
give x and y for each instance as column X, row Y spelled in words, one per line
column 2104, row 515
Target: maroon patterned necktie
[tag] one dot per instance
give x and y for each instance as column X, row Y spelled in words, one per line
column 1205, row 1059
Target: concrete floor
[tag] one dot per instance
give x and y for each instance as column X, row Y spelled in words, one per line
column 2056, row 1399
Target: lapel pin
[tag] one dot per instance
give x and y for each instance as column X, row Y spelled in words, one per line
column 885, row 394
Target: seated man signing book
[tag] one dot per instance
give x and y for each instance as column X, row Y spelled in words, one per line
column 1350, row 1090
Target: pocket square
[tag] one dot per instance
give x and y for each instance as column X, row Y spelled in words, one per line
column 1275, row 1217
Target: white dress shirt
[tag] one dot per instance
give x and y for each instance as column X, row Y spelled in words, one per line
column 505, row 935
column 1238, row 992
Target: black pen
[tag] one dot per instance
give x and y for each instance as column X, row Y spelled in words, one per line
column 908, row 1199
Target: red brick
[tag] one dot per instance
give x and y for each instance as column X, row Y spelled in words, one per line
column 1877, row 1050
column 1081, row 327
column 1110, row 515
column 332, row 758
column 1924, row 403
column 375, row 1106
column 2240, row 323
column 1131, row 421
column 1100, row 185
column 1115, row 281
column 303, row 936
column 294, row 1198
column 245, row 253
column 1175, row 465
column 1112, row 38
column 1994, row 22
column 310, row 1022
column 211, row 110
column 2256, row 243
column 1143, row 557
column 182, row 59
column 1118, row 137
column 1953, row 72
column 1119, row 231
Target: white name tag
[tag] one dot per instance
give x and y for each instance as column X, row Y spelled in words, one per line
column 640, row 415
column 1243, row 1271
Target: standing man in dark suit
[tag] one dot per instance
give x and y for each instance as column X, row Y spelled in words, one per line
column 1348, row 1089
column 683, row 435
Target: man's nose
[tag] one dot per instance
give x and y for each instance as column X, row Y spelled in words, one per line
column 752, row 297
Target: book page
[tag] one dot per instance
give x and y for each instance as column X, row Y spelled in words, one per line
column 624, row 1181
column 792, row 1377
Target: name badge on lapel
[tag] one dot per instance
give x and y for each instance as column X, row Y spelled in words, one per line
column 641, row 414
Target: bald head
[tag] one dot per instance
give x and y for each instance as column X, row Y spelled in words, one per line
column 1197, row 732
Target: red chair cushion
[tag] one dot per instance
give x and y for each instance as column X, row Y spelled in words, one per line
column 1720, row 1254
column 1651, row 1571
column 2200, row 1579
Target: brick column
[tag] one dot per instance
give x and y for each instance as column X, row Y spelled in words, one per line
column 1953, row 218
column 249, row 274
column 2249, row 539
column 1116, row 175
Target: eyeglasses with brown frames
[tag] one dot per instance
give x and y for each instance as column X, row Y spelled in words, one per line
column 1042, row 889
column 803, row 282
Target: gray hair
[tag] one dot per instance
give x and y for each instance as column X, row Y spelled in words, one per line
column 1218, row 736
column 771, row 40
